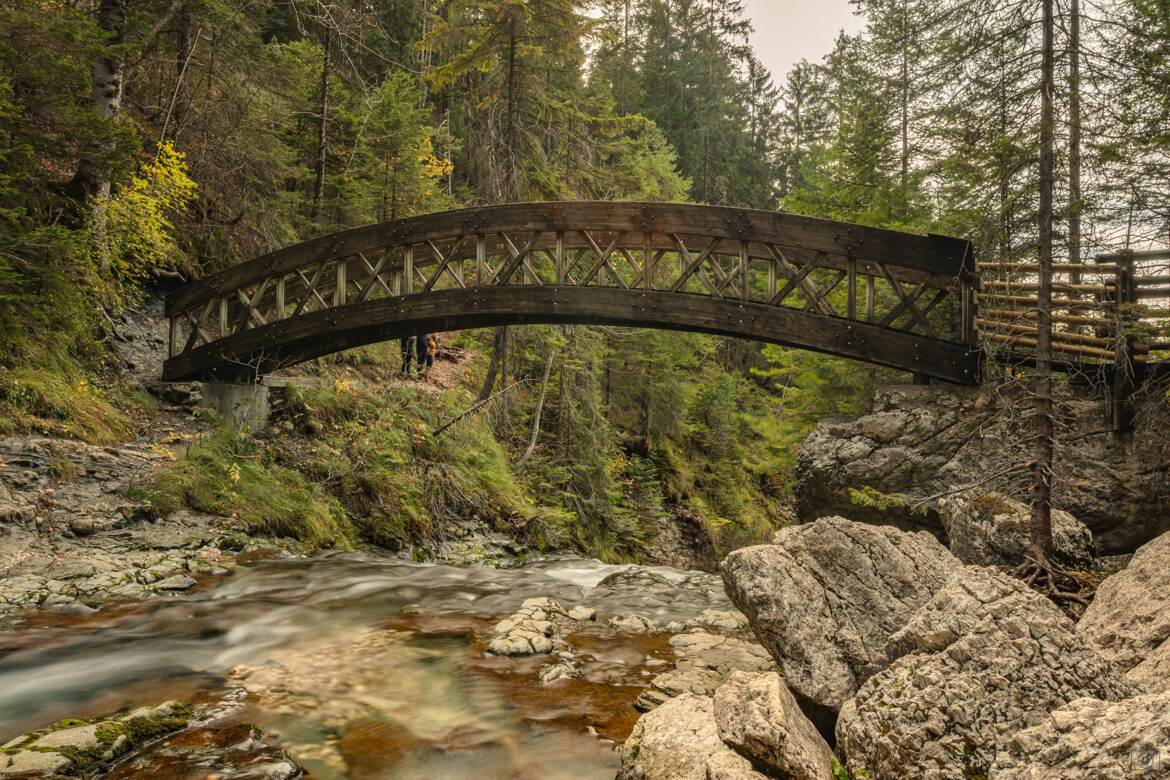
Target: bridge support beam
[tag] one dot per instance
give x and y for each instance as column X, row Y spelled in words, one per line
column 288, row 342
column 244, row 405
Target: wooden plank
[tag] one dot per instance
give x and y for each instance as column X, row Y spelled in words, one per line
column 1107, row 287
column 1070, row 303
column 1148, row 293
column 1030, row 314
column 991, row 326
column 291, row 341
column 1032, row 268
column 933, row 254
column 1074, row 349
column 1150, row 254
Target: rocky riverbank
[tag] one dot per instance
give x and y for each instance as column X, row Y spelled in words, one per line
column 922, row 444
column 896, row 660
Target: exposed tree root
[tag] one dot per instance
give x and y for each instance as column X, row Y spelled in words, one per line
column 1067, row 591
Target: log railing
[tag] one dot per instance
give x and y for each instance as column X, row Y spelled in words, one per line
column 1110, row 316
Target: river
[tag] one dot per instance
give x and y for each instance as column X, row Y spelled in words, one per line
column 364, row 667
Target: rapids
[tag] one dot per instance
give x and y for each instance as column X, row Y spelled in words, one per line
column 365, row 667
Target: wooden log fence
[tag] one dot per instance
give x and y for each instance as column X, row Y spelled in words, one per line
column 1110, row 315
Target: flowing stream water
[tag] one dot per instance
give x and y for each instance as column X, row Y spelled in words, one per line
column 364, row 667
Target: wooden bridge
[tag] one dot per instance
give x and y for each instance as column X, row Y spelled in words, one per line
column 894, row 299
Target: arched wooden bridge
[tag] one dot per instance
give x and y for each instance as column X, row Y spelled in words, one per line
column 889, row 298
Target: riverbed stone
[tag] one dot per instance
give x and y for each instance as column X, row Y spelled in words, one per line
column 1129, row 619
column 984, row 659
column 990, row 529
column 679, row 741
column 78, row 737
column 583, row 613
column 176, row 582
column 703, row 662
column 633, row 624
column 33, row 763
column 826, row 596
column 534, row 629
column 758, row 716
column 1090, row 739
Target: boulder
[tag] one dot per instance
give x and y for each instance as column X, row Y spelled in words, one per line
column 1129, row 619
column 537, row 628
column 1153, row 674
column 757, row 716
column 926, row 441
column 1090, row 739
column 679, row 741
column 991, row 529
column 982, row 660
column 826, row 596
column 703, row 662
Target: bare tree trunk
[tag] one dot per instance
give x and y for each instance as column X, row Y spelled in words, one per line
column 1042, row 469
column 511, row 193
column 1074, row 137
column 322, row 118
column 489, row 381
column 539, row 408
column 645, row 421
column 504, row 350
column 905, row 118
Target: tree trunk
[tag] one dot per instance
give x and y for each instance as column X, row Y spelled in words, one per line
column 1042, row 469
column 905, row 118
column 504, row 350
column 539, row 408
column 489, row 381
column 1074, row 138
column 91, row 183
column 322, row 118
column 510, row 188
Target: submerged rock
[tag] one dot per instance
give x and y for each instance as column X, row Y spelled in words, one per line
column 679, row 741
column 1129, row 619
column 993, row 530
column 757, row 716
column 1090, row 739
column 826, row 596
column 982, row 660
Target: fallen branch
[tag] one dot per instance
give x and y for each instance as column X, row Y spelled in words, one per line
column 475, row 406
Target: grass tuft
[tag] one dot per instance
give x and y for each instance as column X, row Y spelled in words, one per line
column 236, row 477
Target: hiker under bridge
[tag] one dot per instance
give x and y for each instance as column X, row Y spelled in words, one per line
column 893, row 299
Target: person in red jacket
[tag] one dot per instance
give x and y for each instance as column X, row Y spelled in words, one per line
column 432, row 349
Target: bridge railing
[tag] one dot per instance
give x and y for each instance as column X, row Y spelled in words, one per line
column 921, row 285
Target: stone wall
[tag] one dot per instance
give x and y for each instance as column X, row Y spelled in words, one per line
column 926, row 441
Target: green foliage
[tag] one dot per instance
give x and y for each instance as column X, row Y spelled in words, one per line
column 807, row 388
column 132, row 231
column 65, row 403
column 372, row 449
column 871, row 498
column 232, row 475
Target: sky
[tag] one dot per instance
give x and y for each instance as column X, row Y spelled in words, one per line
column 788, row 31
